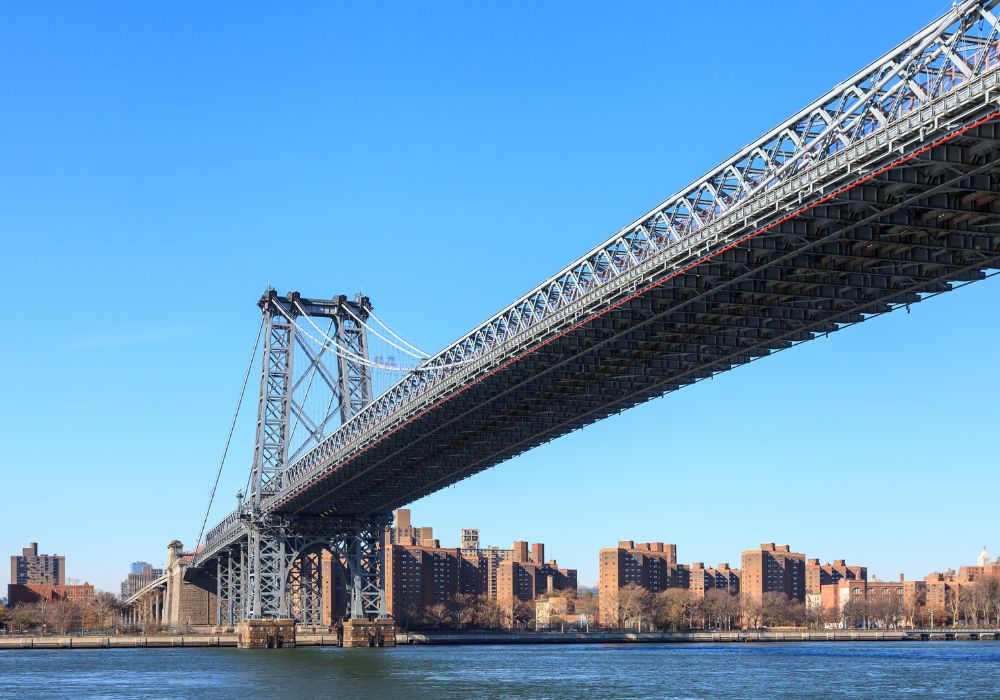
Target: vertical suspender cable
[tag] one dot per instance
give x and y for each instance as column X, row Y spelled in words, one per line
column 229, row 438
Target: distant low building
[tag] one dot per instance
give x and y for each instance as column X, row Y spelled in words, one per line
column 19, row 593
column 556, row 611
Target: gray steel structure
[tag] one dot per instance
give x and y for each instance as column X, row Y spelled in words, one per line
column 878, row 194
column 272, row 567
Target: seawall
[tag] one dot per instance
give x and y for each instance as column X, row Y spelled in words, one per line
column 497, row 637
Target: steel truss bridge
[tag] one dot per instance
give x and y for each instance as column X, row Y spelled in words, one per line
column 884, row 191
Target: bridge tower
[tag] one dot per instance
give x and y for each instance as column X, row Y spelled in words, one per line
column 274, row 573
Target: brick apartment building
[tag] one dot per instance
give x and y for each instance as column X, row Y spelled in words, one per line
column 702, row 579
column 773, row 569
column 650, row 565
column 420, row 573
column 529, row 576
column 30, row 567
column 35, row 577
column 829, row 574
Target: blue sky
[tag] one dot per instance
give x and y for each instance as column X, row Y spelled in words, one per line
column 162, row 164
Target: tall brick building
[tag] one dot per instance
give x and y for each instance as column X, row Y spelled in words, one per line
column 773, row 569
column 651, row 565
column 32, row 567
column 419, row 575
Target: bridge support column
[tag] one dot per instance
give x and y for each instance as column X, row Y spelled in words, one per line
column 364, row 552
column 365, row 555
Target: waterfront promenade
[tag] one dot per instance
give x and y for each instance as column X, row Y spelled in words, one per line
column 497, row 637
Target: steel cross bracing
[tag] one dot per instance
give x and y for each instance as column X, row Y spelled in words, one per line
column 939, row 79
column 880, row 193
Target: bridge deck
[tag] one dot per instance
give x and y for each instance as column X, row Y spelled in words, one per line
column 913, row 229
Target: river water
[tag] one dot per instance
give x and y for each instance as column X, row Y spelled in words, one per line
column 581, row 672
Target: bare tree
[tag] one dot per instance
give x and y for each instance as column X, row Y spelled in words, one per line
column 523, row 613
column 588, row 604
column 752, row 609
column 101, row 611
column 634, row 604
column 992, row 584
column 465, row 610
column 63, row 615
column 438, row 616
column 777, row 609
column 25, row 617
column 956, row 602
column 490, row 615
column 913, row 608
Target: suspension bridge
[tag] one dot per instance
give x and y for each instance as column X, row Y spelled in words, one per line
column 882, row 192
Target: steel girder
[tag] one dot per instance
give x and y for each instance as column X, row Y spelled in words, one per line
column 305, row 589
column 362, row 550
column 231, row 585
column 274, row 406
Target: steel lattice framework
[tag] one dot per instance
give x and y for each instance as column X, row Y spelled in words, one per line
column 880, row 193
column 271, row 568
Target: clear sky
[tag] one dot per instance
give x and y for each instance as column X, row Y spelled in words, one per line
column 163, row 163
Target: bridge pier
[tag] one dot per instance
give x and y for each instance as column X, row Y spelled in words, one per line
column 265, row 634
column 365, row 632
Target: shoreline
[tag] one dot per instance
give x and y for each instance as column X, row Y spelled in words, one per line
column 481, row 638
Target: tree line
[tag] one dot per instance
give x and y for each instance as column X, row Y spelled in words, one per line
column 101, row 612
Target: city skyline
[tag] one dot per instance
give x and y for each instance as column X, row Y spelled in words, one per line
column 428, row 535
column 880, row 421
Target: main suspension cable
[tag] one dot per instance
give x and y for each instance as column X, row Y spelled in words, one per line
column 394, row 334
column 382, row 337
column 229, row 437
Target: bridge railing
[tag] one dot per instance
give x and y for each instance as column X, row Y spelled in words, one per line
column 231, row 528
column 908, row 88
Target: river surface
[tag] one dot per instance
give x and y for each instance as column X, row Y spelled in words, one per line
column 581, row 672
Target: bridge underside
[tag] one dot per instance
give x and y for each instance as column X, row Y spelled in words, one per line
column 914, row 230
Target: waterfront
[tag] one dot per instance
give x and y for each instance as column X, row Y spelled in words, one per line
column 855, row 670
